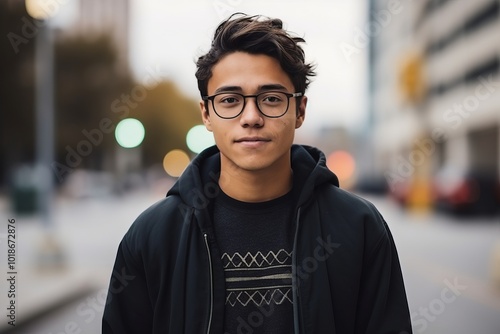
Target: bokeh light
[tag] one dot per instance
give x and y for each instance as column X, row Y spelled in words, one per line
column 343, row 165
column 175, row 162
column 199, row 138
column 129, row 133
column 40, row 10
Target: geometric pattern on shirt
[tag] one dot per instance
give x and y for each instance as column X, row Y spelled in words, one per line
column 276, row 295
column 258, row 260
column 258, row 278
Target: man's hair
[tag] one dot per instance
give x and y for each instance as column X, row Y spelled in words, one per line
column 256, row 35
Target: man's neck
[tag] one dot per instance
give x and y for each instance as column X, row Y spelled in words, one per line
column 255, row 186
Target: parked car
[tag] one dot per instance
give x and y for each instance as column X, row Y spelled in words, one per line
column 467, row 192
column 371, row 184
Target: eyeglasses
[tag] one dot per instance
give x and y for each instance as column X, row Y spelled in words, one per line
column 272, row 104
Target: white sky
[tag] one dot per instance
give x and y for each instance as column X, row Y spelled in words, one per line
column 170, row 35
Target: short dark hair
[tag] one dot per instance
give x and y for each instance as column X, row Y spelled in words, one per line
column 256, row 35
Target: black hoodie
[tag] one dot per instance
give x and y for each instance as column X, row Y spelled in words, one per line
column 168, row 276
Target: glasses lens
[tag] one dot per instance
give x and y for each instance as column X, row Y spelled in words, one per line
column 272, row 104
column 228, row 105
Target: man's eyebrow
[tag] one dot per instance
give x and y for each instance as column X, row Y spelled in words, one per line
column 261, row 88
column 271, row 87
column 228, row 89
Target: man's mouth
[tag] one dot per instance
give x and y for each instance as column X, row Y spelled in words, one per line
column 252, row 142
column 251, row 139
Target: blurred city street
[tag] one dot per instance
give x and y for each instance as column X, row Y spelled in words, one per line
column 100, row 113
column 448, row 267
column 447, row 263
column 87, row 231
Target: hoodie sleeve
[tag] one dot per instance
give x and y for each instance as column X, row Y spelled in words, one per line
column 382, row 304
column 128, row 307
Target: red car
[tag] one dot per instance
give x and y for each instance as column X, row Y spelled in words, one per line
column 471, row 192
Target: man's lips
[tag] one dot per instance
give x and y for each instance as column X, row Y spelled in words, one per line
column 252, row 142
column 251, row 139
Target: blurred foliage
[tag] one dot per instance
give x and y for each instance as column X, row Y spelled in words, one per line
column 87, row 81
column 167, row 116
column 90, row 88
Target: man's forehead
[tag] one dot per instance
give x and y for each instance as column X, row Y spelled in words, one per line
column 250, row 73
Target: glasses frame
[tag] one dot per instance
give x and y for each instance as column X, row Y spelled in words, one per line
column 288, row 95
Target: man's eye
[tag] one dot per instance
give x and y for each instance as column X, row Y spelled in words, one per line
column 229, row 99
column 272, row 99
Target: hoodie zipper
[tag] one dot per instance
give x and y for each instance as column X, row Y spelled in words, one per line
column 211, row 284
column 295, row 287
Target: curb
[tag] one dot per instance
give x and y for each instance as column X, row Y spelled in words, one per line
column 45, row 310
column 40, row 293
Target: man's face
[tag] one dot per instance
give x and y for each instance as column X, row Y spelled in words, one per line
column 252, row 141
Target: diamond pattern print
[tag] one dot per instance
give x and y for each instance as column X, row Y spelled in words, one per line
column 252, row 261
column 276, row 296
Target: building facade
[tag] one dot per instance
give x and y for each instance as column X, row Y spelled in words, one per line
column 107, row 16
column 434, row 90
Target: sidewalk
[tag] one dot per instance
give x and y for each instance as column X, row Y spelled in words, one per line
column 41, row 293
column 86, row 232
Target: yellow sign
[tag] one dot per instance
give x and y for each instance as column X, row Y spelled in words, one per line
column 411, row 78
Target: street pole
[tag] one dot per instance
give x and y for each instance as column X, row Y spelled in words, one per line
column 44, row 109
column 51, row 255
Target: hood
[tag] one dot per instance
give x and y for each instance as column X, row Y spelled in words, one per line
column 309, row 172
column 199, row 182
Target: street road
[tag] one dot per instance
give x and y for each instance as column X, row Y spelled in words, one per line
column 446, row 262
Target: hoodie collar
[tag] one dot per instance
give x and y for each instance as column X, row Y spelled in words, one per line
column 198, row 185
column 309, row 172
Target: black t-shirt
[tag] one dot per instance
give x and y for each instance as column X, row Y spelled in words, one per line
column 256, row 240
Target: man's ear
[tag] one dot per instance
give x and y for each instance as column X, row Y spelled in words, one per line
column 301, row 112
column 205, row 116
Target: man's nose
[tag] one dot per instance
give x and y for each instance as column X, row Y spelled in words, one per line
column 251, row 116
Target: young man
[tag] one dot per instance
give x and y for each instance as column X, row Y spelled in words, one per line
column 256, row 236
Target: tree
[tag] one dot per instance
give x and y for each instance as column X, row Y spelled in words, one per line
column 167, row 116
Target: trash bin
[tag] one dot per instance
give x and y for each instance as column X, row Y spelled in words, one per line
column 23, row 194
